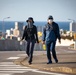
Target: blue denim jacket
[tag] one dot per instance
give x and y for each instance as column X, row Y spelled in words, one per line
column 51, row 33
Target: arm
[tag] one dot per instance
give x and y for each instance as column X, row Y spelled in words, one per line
column 58, row 34
column 36, row 35
column 24, row 33
column 44, row 35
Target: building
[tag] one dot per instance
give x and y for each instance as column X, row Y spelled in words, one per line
column 8, row 32
column 15, row 33
column 0, row 34
column 19, row 25
column 73, row 26
column 18, row 31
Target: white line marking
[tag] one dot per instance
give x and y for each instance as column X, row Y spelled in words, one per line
column 18, row 69
column 48, row 72
column 6, row 63
column 13, row 71
column 13, row 67
column 13, row 58
column 4, row 74
column 10, row 65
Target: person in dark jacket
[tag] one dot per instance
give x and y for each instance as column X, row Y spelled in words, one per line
column 30, row 35
column 50, row 35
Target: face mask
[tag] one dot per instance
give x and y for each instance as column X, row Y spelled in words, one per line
column 50, row 21
column 30, row 24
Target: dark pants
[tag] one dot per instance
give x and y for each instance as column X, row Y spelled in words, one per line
column 51, row 46
column 30, row 49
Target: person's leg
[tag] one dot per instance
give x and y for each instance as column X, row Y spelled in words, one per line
column 54, row 52
column 28, row 47
column 31, row 51
column 48, row 53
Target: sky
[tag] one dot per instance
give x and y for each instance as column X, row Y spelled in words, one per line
column 20, row 10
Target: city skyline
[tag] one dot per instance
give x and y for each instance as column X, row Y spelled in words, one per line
column 20, row 10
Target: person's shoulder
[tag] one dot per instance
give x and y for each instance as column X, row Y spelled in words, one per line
column 34, row 25
column 25, row 26
column 46, row 25
column 55, row 23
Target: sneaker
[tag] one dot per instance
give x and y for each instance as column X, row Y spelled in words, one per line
column 56, row 61
column 49, row 62
column 30, row 63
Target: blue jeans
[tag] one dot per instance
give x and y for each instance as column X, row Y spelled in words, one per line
column 30, row 49
column 48, row 47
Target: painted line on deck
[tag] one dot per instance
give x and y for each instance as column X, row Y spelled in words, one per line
column 43, row 72
column 10, row 58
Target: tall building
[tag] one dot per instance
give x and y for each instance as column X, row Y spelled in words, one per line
column 18, row 31
column 0, row 34
column 8, row 32
column 73, row 26
column 19, row 25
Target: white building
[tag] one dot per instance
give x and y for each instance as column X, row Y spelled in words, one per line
column 18, row 31
column 19, row 25
column 8, row 32
column 73, row 26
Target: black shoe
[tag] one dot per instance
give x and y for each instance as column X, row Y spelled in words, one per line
column 49, row 62
column 30, row 63
column 56, row 61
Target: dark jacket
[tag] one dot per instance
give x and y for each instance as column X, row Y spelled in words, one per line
column 30, row 33
column 51, row 34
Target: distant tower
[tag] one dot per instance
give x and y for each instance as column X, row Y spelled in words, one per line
column 18, row 31
column 73, row 26
column 8, row 32
column 19, row 25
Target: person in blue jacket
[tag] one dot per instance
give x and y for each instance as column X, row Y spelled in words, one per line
column 50, row 35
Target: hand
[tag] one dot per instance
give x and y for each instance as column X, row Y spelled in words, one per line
column 60, row 41
column 43, row 42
